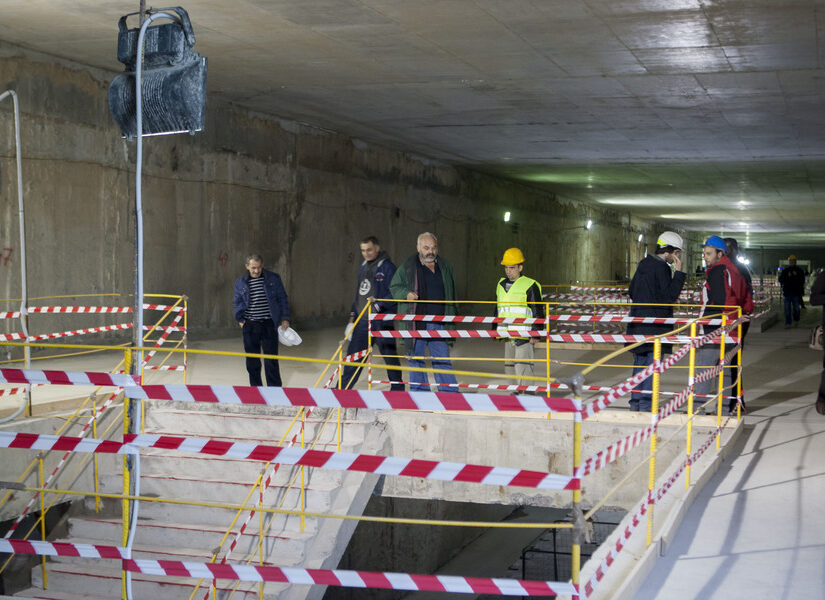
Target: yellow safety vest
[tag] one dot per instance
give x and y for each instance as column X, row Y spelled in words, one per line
column 511, row 303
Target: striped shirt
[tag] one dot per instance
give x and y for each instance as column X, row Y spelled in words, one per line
column 258, row 309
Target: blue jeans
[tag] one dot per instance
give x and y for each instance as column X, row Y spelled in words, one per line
column 638, row 400
column 386, row 346
column 791, row 302
column 438, row 350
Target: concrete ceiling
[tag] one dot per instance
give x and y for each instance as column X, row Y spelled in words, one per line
column 705, row 114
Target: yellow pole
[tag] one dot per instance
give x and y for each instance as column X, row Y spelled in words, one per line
column 691, row 376
column 547, row 348
column 43, row 526
column 94, row 455
column 185, row 335
column 654, row 415
column 721, row 387
column 739, row 370
column 369, row 345
column 578, row 531
column 303, row 503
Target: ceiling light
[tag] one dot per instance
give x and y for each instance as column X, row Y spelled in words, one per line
column 589, row 224
column 641, row 237
column 507, row 217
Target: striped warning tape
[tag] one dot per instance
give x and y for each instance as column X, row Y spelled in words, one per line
column 67, row 377
column 10, row 315
column 562, row 337
column 99, row 309
column 356, row 579
column 257, row 573
column 606, row 318
column 323, row 459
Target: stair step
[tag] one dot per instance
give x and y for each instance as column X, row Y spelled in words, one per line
column 50, row 594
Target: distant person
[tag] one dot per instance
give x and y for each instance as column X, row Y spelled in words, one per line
column 654, row 283
column 792, row 280
column 258, row 303
column 518, row 296
column 818, row 299
column 374, row 276
column 733, row 253
column 427, row 276
column 724, row 286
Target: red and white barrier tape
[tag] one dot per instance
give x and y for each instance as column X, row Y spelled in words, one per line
column 99, row 309
column 543, row 335
column 335, row 398
column 67, row 378
column 168, row 329
column 12, row 391
column 10, row 315
column 336, row 461
column 606, row 318
column 62, row 549
column 356, row 579
column 165, row 367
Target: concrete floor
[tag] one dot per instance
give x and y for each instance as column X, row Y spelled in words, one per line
column 755, row 530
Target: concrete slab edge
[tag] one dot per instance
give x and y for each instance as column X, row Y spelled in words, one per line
column 629, row 586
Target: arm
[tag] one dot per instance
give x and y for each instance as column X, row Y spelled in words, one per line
column 283, row 301
column 238, row 303
column 818, row 290
column 534, row 295
column 382, row 288
column 716, row 284
column 399, row 286
column 669, row 286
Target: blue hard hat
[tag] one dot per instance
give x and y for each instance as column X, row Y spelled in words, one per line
column 715, row 241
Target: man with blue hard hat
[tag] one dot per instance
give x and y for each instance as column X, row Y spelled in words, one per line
column 724, row 286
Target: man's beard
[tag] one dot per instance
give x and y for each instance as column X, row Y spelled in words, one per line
column 428, row 258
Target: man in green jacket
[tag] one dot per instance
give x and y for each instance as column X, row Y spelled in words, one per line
column 427, row 276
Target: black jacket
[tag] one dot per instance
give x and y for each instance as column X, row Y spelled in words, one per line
column 818, row 293
column 654, row 283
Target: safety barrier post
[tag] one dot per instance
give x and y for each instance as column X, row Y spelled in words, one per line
column 721, row 386
column 739, row 400
column 369, row 344
column 578, row 523
column 94, row 456
column 691, row 381
column 124, row 503
column 185, row 335
column 547, row 348
column 302, row 498
column 654, row 418
column 261, row 535
column 43, row 523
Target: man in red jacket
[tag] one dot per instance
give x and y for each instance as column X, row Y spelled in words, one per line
column 724, row 286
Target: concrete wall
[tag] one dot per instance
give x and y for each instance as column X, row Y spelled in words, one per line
column 301, row 196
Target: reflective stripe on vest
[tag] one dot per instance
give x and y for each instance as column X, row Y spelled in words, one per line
column 517, row 295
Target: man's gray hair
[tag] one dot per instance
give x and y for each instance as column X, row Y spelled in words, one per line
column 255, row 257
column 423, row 235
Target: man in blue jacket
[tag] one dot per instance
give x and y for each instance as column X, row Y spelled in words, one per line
column 374, row 278
column 258, row 303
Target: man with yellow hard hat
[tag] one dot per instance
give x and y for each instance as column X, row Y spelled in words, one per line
column 518, row 297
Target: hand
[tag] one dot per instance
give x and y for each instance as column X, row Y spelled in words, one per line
column 284, row 324
column 240, row 323
column 677, row 263
column 412, row 296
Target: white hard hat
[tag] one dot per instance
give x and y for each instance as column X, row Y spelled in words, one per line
column 289, row 337
column 669, row 238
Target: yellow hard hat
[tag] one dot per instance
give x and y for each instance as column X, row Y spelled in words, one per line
column 512, row 256
column 792, row 257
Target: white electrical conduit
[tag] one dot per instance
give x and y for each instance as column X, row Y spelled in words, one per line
column 23, row 292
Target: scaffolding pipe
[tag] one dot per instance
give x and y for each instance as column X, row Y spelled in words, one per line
column 21, row 214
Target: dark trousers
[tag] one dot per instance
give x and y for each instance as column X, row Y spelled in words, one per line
column 358, row 342
column 737, row 372
column 820, row 397
column 642, row 399
column 261, row 337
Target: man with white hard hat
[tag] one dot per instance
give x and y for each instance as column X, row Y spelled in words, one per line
column 654, row 283
column 518, row 296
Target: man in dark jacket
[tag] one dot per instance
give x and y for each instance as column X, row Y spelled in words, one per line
column 654, row 283
column 427, row 276
column 258, row 303
column 818, row 299
column 374, row 278
column 792, row 280
column 733, row 253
